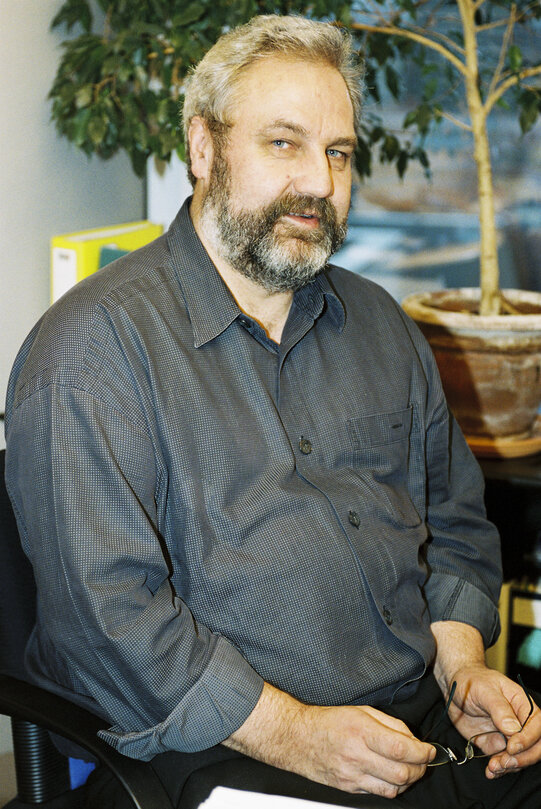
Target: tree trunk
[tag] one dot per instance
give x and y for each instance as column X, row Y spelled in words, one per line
column 489, row 270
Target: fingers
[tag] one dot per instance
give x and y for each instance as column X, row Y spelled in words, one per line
column 503, row 714
column 523, row 748
column 488, row 700
column 391, row 738
column 526, row 745
column 378, row 775
column 378, row 755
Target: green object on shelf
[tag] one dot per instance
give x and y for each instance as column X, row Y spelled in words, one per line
column 109, row 254
column 529, row 653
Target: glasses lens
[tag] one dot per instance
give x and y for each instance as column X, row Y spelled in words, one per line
column 486, row 744
column 443, row 755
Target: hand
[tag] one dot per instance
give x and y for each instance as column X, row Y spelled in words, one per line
column 486, row 700
column 353, row 748
column 361, row 749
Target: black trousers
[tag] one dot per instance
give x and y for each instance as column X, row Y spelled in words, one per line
column 190, row 777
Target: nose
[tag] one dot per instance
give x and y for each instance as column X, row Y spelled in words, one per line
column 314, row 178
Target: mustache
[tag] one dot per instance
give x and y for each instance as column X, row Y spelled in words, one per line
column 293, row 204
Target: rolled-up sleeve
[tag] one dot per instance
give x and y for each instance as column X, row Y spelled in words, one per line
column 110, row 625
column 463, row 552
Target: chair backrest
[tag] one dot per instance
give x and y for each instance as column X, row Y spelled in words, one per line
column 17, row 589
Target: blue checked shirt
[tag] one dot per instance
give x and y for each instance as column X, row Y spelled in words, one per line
column 205, row 509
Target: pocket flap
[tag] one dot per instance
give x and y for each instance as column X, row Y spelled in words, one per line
column 380, row 428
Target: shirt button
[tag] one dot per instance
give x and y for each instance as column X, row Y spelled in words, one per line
column 388, row 618
column 305, row 446
column 354, row 519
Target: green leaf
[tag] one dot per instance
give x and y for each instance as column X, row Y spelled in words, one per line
column 389, row 148
column 380, row 49
column 410, row 119
column 391, row 77
column 530, row 107
column 423, row 158
column 125, row 72
column 80, row 124
column 514, row 55
column 423, row 119
column 371, row 83
column 431, row 87
column 73, row 12
column 168, row 142
column 345, row 15
column 181, row 150
column 363, row 158
column 96, row 129
column 192, row 13
column 83, row 97
column 402, row 163
column 138, row 161
column 377, row 134
column 141, row 135
column 163, row 111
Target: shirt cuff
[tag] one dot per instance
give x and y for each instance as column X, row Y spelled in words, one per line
column 215, row 707
column 453, row 599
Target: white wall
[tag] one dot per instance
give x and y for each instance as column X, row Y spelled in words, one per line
column 47, row 186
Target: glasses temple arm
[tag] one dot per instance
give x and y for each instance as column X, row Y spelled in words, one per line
column 521, row 683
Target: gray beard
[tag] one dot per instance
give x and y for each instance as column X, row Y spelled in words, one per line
column 247, row 240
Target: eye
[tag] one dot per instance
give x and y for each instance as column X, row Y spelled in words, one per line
column 336, row 154
column 279, row 143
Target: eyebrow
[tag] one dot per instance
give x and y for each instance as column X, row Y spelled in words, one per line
column 297, row 129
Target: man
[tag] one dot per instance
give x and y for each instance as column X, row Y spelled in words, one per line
column 257, row 532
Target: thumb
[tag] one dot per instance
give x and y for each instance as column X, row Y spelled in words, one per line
column 509, row 725
column 503, row 716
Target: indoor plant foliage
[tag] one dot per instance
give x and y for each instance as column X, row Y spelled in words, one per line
column 119, row 86
column 480, row 56
column 119, row 82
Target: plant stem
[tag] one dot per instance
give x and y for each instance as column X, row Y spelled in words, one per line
column 469, row 69
column 489, row 273
column 423, row 39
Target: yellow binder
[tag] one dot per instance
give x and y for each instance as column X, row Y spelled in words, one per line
column 76, row 255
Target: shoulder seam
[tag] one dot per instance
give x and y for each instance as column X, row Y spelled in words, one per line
column 50, row 382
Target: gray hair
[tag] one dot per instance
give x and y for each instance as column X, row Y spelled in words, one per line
column 210, row 88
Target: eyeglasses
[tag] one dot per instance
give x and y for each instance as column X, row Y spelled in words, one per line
column 497, row 741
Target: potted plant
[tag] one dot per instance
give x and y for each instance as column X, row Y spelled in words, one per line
column 487, row 343
column 121, row 87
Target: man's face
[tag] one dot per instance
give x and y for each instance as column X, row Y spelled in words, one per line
column 278, row 192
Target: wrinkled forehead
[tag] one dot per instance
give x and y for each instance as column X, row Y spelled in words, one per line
column 278, row 87
column 272, row 77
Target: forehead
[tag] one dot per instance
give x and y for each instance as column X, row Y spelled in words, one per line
column 311, row 94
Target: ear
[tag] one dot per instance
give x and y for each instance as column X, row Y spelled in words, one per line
column 200, row 145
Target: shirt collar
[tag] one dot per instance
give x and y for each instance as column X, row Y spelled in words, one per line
column 313, row 297
column 211, row 307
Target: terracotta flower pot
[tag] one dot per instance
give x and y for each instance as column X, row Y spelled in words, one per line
column 490, row 366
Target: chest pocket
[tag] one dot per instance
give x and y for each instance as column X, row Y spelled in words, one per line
column 380, row 429
column 382, row 456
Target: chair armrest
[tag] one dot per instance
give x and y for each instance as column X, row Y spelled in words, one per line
column 54, row 713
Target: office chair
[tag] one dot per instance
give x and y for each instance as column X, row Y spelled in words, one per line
column 42, row 773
